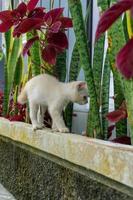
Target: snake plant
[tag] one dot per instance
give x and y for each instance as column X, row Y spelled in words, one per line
column 35, row 57
column 12, row 55
column 117, row 39
column 94, row 126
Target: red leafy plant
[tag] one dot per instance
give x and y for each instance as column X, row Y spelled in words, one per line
column 118, row 114
column 17, row 112
column 51, row 25
column 115, row 117
column 124, row 59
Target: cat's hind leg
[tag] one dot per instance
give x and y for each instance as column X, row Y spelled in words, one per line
column 40, row 115
column 33, row 115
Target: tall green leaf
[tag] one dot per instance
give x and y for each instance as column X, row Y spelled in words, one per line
column 128, row 90
column 74, row 71
column 19, row 71
column 117, row 40
column 94, row 127
column 12, row 61
column 35, row 57
column 8, row 46
column 73, row 74
column 60, row 68
column 105, row 96
column 98, row 66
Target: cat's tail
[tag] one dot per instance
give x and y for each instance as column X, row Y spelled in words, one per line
column 22, row 98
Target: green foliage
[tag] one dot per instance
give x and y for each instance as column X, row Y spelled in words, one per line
column 60, row 68
column 94, row 127
column 117, row 40
column 12, row 61
column 73, row 74
column 35, row 58
column 105, row 96
column 1, row 54
column 128, row 91
column 125, row 28
column 98, row 66
column 75, row 64
column 19, row 71
column 103, row 4
column 8, row 42
column 12, row 54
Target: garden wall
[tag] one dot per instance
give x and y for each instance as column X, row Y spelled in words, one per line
column 53, row 166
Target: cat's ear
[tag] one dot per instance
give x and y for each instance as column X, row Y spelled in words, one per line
column 81, row 85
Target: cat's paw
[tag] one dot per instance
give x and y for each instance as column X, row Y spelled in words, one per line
column 64, row 130
column 55, row 129
column 37, row 126
column 41, row 126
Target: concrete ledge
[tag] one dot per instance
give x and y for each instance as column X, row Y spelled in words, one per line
column 114, row 161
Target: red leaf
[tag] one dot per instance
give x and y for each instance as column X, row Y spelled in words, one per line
column 54, row 14
column 27, row 25
column 122, row 140
column 124, row 60
column 1, row 93
column 49, row 54
column 48, row 21
column 6, row 15
column 58, row 40
column 37, row 13
column 117, row 115
column 16, row 118
column 15, row 17
column 5, row 20
column 5, row 26
column 32, row 4
column 111, row 15
column 55, row 27
column 22, row 8
column 29, row 44
column 66, row 22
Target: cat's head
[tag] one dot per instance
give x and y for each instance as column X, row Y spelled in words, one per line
column 80, row 92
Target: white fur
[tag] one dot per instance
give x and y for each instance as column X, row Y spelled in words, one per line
column 45, row 91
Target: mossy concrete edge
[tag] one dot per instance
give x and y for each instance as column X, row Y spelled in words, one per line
column 111, row 160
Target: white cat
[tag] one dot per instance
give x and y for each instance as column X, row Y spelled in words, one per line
column 45, row 91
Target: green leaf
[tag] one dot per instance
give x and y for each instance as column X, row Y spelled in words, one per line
column 18, row 72
column 94, row 128
column 35, row 57
column 60, row 68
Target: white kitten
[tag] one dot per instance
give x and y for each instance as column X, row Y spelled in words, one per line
column 45, row 91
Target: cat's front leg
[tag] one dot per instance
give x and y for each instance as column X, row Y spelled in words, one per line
column 33, row 115
column 58, row 119
column 54, row 127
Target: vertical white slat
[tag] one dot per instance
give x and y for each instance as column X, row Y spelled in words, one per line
column 64, row 4
column 56, row 4
column 46, row 4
